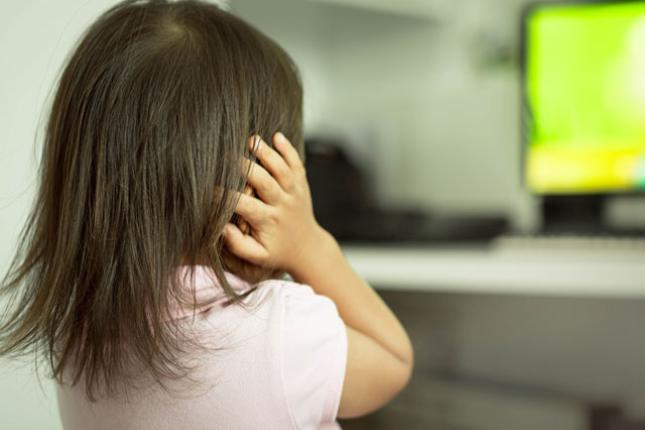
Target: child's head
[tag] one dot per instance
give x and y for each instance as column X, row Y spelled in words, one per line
column 141, row 161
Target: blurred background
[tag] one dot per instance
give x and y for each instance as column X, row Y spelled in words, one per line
column 482, row 163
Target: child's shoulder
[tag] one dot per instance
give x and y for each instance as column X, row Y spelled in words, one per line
column 308, row 321
column 283, row 339
column 285, row 287
column 294, row 312
column 297, row 297
column 312, row 346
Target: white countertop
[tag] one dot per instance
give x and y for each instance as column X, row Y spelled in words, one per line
column 600, row 271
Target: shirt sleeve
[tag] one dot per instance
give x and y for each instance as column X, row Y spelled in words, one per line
column 314, row 356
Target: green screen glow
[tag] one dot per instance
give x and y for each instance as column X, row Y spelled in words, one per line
column 585, row 83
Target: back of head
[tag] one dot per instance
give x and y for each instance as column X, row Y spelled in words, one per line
column 141, row 161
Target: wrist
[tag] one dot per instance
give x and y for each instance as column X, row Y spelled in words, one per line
column 317, row 249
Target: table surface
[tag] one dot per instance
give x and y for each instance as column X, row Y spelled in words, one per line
column 572, row 270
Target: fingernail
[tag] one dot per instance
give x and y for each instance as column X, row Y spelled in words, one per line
column 280, row 136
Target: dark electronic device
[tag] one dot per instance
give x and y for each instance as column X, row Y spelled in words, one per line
column 344, row 204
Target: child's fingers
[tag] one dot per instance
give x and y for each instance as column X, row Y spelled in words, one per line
column 287, row 151
column 244, row 246
column 273, row 162
column 251, row 209
column 265, row 185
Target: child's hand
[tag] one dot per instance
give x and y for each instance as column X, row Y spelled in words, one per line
column 285, row 235
column 283, row 228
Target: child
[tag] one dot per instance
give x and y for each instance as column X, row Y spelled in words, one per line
column 146, row 276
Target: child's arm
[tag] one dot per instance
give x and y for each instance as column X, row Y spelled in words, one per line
column 286, row 235
column 380, row 356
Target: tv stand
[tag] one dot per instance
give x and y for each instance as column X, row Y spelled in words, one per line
column 574, row 214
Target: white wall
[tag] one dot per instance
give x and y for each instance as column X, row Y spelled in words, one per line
column 415, row 101
column 438, row 130
column 455, row 130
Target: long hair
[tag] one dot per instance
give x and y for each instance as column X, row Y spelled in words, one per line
column 141, row 162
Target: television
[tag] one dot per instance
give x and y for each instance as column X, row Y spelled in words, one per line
column 583, row 86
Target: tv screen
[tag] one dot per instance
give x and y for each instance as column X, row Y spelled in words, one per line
column 584, row 78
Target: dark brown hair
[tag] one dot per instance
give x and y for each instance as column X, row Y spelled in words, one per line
column 141, row 159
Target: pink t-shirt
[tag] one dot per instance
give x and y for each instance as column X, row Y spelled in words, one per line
column 280, row 365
